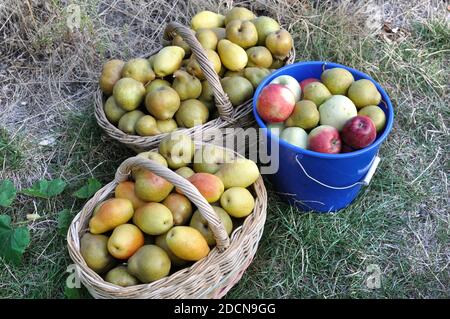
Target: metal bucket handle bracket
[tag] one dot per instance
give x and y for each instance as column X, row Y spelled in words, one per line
column 366, row 180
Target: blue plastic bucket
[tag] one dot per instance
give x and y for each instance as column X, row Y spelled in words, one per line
column 317, row 181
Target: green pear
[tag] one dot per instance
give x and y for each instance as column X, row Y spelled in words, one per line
column 113, row 112
column 207, row 95
column 178, row 149
column 239, row 13
column 166, row 126
column 201, row 224
column 149, row 263
column 305, row 115
column 94, row 249
column 128, row 93
column 255, row 75
column 376, row 114
column 154, row 156
column 279, row 43
column 259, row 56
column 233, row 57
column 160, row 241
column 191, row 113
column 178, row 41
column 238, row 202
column 185, row 172
column 121, row 277
column 156, row 84
column 242, row 33
column 193, row 67
column 264, row 26
column 111, row 73
column 337, row 80
column 277, row 63
column 316, row 92
column 138, row 69
column 239, row 173
column 363, row 93
column 186, row 85
column 238, row 89
column 207, row 19
column 168, row 60
column 146, row 126
column 127, row 122
column 162, row 103
column 207, row 38
column 153, row 218
column 234, row 73
column 209, row 159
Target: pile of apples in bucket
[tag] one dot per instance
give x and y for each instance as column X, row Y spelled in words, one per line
column 341, row 114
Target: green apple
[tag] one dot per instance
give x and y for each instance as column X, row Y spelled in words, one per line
column 295, row 136
column 336, row 111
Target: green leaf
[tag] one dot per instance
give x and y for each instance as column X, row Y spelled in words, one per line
column 13, row 242
column 72, row 293
column 7, row 193
column 89, row 189
column 64, row 219
column 45, row 188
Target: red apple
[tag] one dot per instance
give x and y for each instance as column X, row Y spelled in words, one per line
column 275, row 103
column 359, row 132
column 324, row 139
column 305, row 82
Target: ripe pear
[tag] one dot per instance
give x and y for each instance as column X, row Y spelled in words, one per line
column 242, row 33
column 146, row 126
column 220, row 33
column 186, row 85
column 337, row 80
column 193, row 66
column 127, row 122
column 94, row 249
column 121, row 277
column 363, row 93
column 259, row 56
column 180, row 207
column 255, row 75
column 207, row 38
column 207, row 95
column 178, row 41
column 128, row 93
column 201, row 224
column 110, row 214
column 160, row 241
column 153, row 218
column 264, row 26
column 166, row 126
column 168, row 60
column 125, row 240
column 279, row 43
column 207, row 19
column 187, row 243
column 151, row 187
column 239, row 13
column 209, row 158
column 162, row 103
column 155, row 84
column 154, row 156
column 233, row 57
column 111, row 73
column 185, row 172
column 191, row 113
column 113, row 112
column 178, row 149
column 209, row 185
column 149, row 263
column 376, row 114
column 239, row 173
column 238, row 89
column 126, row 190
column 237, row 201
column 138, row 69
column 316, row 92
column 305, row 115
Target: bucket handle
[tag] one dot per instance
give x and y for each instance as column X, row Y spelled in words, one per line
column 373, row 166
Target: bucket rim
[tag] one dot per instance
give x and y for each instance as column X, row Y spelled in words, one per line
column 384, row 97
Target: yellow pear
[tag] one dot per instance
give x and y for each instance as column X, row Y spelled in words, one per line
column 237, row 201
column 111, row 73
column 153, row 218
column 126, row 190
column 279, row 43
column 121, row 277
column 192, row 112
column 259, row 56
column 162, row 103
column 239, row 13
column 127, row 122
column 255, row 75
column 337, row 80
column 151, row 187
column 187, row 243
column 112, row 213
column 239, row 173
column 305, row 115
column 209, row 158
column 178, row 149
column 168, row 60
column 178, row 41
column 94, row 249
column 166, row 126
column 193, row 67
column 264, row 26
column 113, row 112
column 124, row 241
column 186, row 85
column 180, row 207
column 233, row 57
column 160, row 241
column 146, row 126
column 149, row 263
column 201, row 224
column 242, row 33
column 138, row 69
column 154, row 156
column 316, row 92
column 363, row 93
column 207, row 19
column 155, row 84
column 128, row 93
column 207, row 38
column 376, row 114
column 185, row 172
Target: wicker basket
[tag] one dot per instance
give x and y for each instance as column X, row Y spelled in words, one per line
column 211, row 277
column 229, row 116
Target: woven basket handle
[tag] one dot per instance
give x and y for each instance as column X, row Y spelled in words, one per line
column 189, row 190
column 221, row 98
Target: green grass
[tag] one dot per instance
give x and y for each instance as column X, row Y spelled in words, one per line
column 400, row 222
